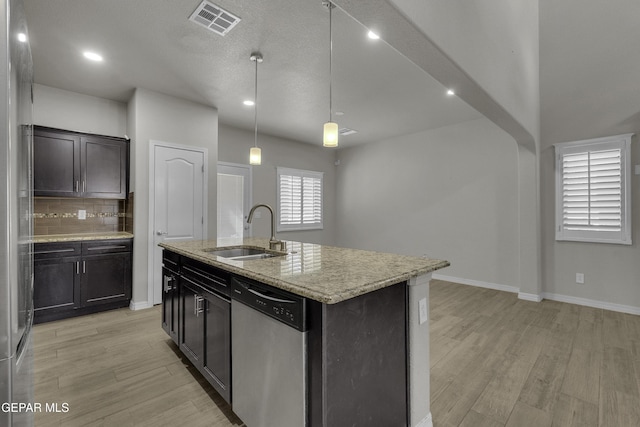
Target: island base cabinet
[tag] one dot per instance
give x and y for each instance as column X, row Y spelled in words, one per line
column 170, row 303
column 357, row 352
column 205, row 334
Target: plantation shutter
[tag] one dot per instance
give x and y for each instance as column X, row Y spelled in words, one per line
column 592, row 193
column 299, row 199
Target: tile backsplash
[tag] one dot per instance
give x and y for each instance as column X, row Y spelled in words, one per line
column 54, row 215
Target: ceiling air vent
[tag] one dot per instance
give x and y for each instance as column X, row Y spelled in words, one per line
column 346, row 131
column 214, row 18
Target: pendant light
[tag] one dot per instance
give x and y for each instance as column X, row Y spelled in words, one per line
column 255, row 154
column 330, row 133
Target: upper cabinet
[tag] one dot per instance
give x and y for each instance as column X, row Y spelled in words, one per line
column 72, row 164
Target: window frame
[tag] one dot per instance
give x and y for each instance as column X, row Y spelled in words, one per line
column 301, row 174
column 621, row 142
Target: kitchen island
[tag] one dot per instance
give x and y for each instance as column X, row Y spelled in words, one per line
column 363, row 332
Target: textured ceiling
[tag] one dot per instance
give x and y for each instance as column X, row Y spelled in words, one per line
column 151, row 44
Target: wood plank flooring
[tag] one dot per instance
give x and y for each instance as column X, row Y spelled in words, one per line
column 495, row 361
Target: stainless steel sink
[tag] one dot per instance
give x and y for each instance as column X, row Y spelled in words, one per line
column 243, row 254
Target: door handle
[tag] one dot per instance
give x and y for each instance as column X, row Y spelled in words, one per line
column 161, row 233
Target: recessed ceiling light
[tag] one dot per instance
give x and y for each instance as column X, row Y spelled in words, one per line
column 450, row 92
column 22, row 37
column 249, row 103
column 372, row 35
column 92, row 56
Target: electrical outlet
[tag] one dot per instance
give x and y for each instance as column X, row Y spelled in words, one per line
column 82, row 214
column 580, row 278
column 423, row 310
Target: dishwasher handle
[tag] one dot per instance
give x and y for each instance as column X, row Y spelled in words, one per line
column 267, row 297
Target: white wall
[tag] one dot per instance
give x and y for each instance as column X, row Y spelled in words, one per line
column 449, row 193
column 234, row 145
column 63, row 109
column 158, row 117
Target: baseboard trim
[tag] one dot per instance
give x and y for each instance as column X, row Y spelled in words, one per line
column 139, row 305
column 426, row 421
column 530, row 297
column 488, row 285
column 544, row 295
column 592, row 303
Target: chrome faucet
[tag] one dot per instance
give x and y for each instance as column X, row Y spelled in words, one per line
column 274, row 244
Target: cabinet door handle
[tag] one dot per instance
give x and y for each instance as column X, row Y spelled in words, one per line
column 84, row 186
column 76, row 187
column 84, row 267
column 167, row 283
column 197, row 305
column 77, row 267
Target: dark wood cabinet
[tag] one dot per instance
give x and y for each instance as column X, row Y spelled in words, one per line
column 56, row 163
column 72, row 279
column 71, row 164
column 170, row 295
column 192, row 326
column 106, row 272
column 216, row 362
column 56, row 270
column 202, row 317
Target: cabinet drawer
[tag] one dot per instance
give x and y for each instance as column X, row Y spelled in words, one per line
column 170, row 260
column 56, row 250
column 205, row 275
column 106, row 246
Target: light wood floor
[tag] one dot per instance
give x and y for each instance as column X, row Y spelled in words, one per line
column 495, row 361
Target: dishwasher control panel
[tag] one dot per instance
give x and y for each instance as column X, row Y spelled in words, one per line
column 276, row 303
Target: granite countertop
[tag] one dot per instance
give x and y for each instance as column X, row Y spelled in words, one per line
column 326, row 274
column 52, row 238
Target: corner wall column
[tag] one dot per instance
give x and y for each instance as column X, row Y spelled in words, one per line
column 418, row 367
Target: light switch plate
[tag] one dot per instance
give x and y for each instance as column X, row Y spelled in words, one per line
column 82, row 214
column 580, row 278
column 423, row 310
column 637, row 169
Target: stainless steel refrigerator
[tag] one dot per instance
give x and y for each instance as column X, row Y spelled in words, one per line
column 16, row 208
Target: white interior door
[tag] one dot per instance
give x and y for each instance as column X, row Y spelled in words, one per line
column 234, row 200
column 178, row 193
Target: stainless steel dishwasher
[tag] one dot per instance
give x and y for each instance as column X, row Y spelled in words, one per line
column 268, row 354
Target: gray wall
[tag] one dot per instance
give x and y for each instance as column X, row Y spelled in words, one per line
column 234, row 145
column 449, row 193
column 158, row 117
column 611, row 272
column 74, row 111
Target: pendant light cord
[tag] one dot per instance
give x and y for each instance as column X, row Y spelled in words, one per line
column 255, row 113
column 330, row 64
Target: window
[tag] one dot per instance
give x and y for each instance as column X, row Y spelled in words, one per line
column 299, row 199
column 593, row 190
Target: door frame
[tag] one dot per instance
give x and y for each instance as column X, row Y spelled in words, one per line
column 151, row 200
column 250, row 184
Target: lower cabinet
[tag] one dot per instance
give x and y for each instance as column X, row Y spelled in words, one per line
column 196, row 313
column 77, row 278
column 205, row 334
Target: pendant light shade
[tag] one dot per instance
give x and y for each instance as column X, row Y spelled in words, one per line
column 330, row 131
column 255, row 154
column 330, row 135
